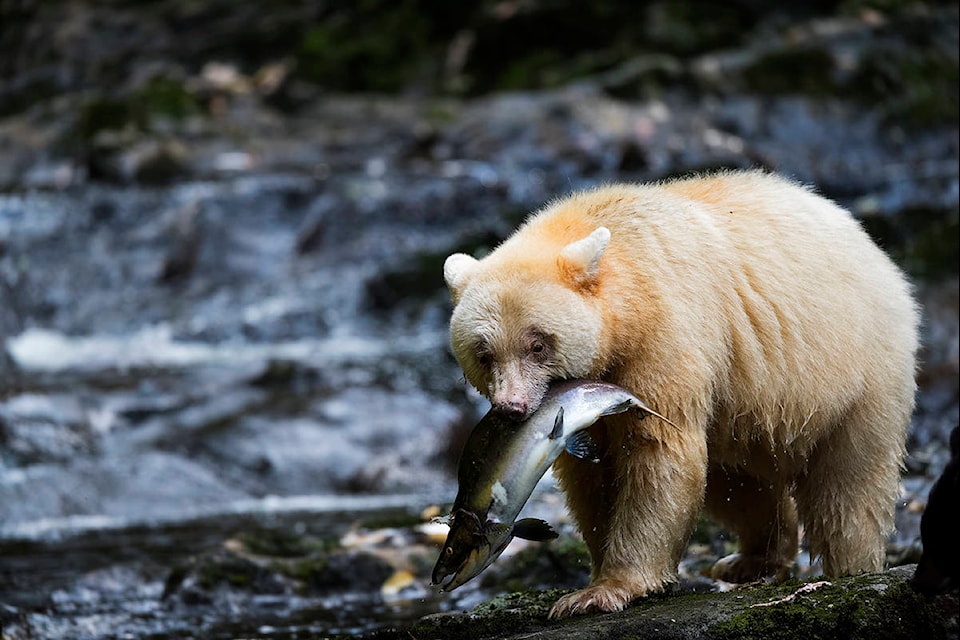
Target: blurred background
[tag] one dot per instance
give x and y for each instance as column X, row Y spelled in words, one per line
column 227, row 402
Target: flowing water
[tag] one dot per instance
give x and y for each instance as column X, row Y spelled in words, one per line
column 102, row 577
column 259, row 347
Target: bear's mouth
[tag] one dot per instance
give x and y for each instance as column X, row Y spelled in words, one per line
column 517, row 400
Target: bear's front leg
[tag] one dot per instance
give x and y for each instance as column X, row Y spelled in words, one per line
column 659, row 492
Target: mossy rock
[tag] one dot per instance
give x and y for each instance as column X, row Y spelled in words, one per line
column 227, row 569
column 338, row 572
column 849, row 609
column 160, row 97
column 375, row 45
column 875, row 606
column 563, row 563
column 278, row 543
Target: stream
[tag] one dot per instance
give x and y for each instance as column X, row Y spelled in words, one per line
column 228, row 407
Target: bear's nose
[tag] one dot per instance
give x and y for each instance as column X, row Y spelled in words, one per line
column 514, row 410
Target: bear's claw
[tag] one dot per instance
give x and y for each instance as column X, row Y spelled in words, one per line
column 603, row 596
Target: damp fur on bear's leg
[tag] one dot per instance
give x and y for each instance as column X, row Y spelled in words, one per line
column 755, row 315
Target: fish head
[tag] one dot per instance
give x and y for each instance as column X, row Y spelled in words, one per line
column 471, row 546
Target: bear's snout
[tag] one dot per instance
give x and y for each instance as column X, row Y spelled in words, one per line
column 513, row 409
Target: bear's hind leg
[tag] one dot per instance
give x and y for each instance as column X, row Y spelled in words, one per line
column 764, row 519
column 846, row 497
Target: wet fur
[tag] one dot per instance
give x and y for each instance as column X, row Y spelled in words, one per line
column 754, row 314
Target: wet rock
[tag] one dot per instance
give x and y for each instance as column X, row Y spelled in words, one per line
column 12, row 280
column 37, row 429
column 148, row 486
column 197, row 582
column 185, row 245
column 866, row 605
column 409, row 284
column 563, row 564
column 9, row 373
column 345, row 572
column 132, row 160
column 291, row 375
column 220, row 302
column 272, row 562
column 314, row 227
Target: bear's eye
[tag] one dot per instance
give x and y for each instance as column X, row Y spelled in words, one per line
column 538, row 345
column 484, row 355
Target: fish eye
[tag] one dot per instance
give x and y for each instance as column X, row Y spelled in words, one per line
column 448, row 551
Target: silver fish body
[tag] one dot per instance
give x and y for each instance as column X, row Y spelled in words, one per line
column 501, row 464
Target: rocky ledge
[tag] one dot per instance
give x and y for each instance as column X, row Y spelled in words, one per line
column 876, row 606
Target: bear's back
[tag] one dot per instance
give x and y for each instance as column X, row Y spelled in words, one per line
column 749, row 274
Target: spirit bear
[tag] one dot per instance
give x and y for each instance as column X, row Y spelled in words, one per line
column 754, row 314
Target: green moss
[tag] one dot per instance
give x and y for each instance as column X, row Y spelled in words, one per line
column 306, row 570
column 533, row 603
column 274, row 542
column 227, row 569
column 163, row 97
column 440, row 113
column 376, row 45
column 572, row 550
column 837, row 610
column 160, row 97
column 915, row 85
column 500, row 617
column 563, row 563
column 873, row 607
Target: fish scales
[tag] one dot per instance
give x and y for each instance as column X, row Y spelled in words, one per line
column 503, row 460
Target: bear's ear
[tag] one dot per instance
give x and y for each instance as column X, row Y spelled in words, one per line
column 580, row 260
column 457, row 270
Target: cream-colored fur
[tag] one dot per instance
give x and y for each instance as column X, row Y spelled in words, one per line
column 757, row 316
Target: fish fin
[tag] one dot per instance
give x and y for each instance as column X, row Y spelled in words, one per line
column 533, row 529
column 644, row 409
column 581, row 445
column 496, row 528
column 619, row 408
column 557, row 425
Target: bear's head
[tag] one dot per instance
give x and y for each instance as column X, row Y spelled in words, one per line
column 526, row 315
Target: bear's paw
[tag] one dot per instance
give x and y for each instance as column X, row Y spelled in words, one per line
column 601, row 596
column 739, row 568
